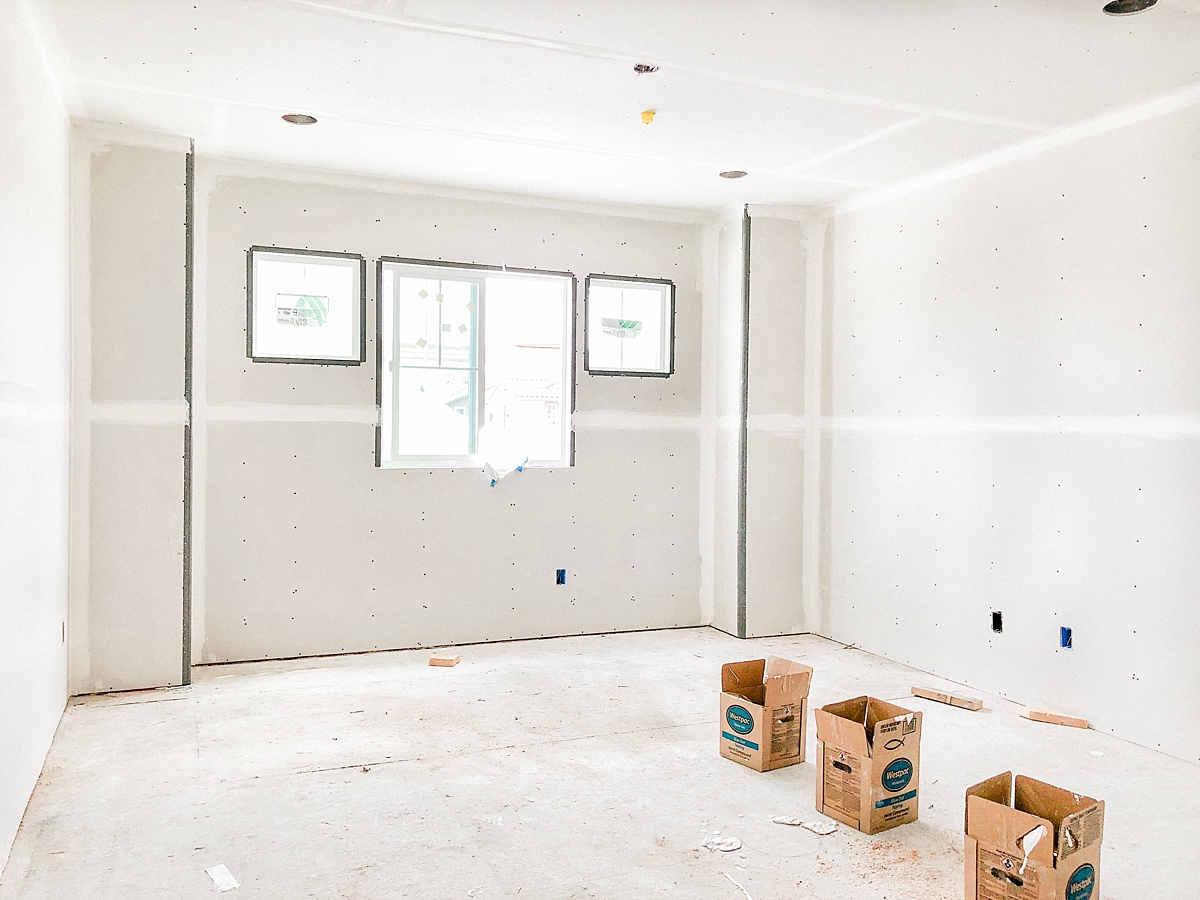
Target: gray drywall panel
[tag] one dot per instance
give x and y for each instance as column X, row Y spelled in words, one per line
column 246, row 211
column 778, row 270
column 312, row 550
column 137, row 274
column 774, row 516
column 1016, row 427
column 136, row 602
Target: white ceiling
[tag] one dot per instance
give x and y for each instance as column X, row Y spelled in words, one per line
column 819, row 100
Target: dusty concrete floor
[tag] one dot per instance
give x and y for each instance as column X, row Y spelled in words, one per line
column 576, row 767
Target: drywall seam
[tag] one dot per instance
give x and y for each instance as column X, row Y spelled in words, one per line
column 1130, row 115
column 573, row 49
column 79, row 516
column 189, row 237
column 48, row 73
column 810, row 534
column 226, row 167
column 777, row 423
column 287, row 412
column 203, row 189
column 874, row 137
column 134, row 412
column 709, row 287
column 616, row 420
column 1160, row 426
column 743, row 431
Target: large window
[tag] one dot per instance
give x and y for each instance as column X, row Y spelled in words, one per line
column 474, row 365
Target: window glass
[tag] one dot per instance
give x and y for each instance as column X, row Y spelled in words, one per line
column 629, row 326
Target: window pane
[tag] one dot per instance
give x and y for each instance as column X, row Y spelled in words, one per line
column 625, row 327
column 436, row 412
column 435, row 324
column 525, row 333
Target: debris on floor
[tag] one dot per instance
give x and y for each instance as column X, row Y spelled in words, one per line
column 1053, row 718
column 445, row 659
column 821, row 828
column 222, row 878
column 723, row 844
column 738, row 886
column 972, row 703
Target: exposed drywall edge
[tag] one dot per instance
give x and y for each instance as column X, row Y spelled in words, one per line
column 200, row 410
column 709, row 288
column 1130, row 115
column 743, row 428
column 79, row 517
column 228, row 167
column 189, row 241
column 1159, row 426
column 100, row 134
column 810, row 534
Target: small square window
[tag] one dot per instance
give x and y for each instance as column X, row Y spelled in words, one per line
column 629, row 326
column 305, row 306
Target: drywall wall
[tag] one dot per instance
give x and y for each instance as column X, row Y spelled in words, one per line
column 129, row 410
column 307, row 548
column 34, row 422
column 1015, row 397
column 775, row 432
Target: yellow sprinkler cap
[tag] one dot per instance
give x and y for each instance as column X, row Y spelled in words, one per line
column 647, row 116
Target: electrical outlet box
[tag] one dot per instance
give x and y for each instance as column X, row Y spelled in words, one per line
column 1064, row 638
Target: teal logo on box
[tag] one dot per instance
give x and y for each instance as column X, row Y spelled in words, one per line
column 1081, row 883
column 897, row 775
column 739, row 720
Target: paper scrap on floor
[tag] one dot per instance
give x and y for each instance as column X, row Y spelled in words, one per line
column 222, row 878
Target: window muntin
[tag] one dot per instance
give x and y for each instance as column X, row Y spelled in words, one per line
column 629, row 326
column 475, row 365
column 305, row 306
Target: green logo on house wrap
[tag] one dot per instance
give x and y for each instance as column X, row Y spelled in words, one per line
column 1081, row 883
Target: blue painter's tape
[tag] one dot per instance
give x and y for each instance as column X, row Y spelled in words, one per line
column 892, row 801
column 739, row 740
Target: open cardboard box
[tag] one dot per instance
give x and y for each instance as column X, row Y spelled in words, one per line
column 764, row 712
column 1031, row 841
column 869, row 763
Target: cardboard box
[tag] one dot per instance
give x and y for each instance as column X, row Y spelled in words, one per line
column 764, row 712
column 868, row 770
column 1031, row 841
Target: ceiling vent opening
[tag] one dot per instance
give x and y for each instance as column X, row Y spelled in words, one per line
column 299, row 119
column 733, row 173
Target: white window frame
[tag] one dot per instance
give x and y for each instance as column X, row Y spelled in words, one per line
column 386, row 382
column 667, row 291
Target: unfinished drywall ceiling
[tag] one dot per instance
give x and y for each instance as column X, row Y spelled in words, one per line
column 1015, row 394
column 307, row 548
column 818, row 101
column 34, row 420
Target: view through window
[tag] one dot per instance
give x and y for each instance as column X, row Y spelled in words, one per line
column 474, row 365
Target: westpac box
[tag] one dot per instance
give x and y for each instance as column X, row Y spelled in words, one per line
column 868, row 763
column 1031, row 841
column 764, row 712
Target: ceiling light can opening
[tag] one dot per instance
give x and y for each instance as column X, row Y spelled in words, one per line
column 733, row 173
column 299, row 119
column 1127, row 7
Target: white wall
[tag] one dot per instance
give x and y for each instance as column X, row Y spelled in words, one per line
column 1015, row 397
column 400, row 558
column 34, row 277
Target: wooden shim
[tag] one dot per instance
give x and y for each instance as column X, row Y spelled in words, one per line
column 444, row 659
column 1053, row 718
column 961, row 702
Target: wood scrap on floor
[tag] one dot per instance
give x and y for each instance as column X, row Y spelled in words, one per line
column 444, row 659
column 958, row 700
column 1053, row 718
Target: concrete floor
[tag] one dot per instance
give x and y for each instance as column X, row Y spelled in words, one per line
column 574, row 767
